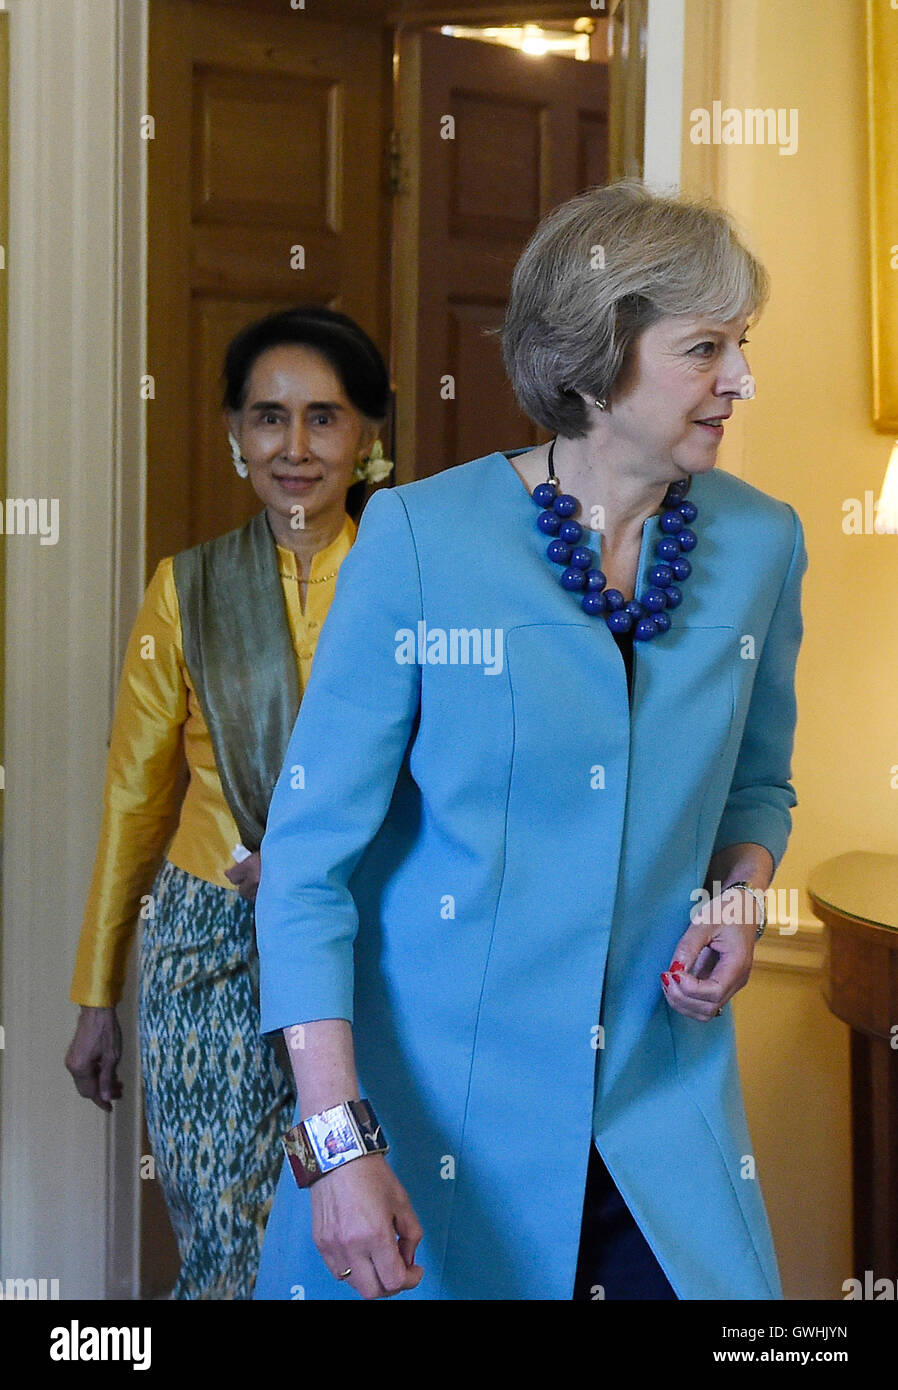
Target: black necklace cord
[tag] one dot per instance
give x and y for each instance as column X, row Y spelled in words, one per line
column 552, row 478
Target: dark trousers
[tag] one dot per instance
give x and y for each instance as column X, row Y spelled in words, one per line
column 615, row 1260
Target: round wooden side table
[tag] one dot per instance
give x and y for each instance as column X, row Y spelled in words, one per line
column 856, row 897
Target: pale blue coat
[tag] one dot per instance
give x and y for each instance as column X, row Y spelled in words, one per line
column 500, row 862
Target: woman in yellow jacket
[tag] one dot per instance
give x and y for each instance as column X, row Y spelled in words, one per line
column 214, row 673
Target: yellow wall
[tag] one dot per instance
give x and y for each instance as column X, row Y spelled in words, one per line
column 807, row 437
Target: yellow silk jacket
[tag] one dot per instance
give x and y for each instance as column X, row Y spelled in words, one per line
column 158, row 733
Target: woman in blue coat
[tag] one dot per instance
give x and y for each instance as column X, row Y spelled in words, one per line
column 499, row 891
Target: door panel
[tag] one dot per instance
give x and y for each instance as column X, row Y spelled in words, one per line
column 262, row 150
column 270, row 136
column 523, row 136
column 495, row 165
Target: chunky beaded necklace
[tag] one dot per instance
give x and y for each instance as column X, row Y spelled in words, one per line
column 646, row 616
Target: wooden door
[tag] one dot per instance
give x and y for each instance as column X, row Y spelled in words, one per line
column 490, row 139
column 267, row 188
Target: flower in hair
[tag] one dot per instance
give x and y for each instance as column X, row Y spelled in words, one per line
column 374, row 468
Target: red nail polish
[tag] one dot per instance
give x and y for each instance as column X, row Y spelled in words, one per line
column 664, row 979
column 676, row 977
column 678, row 965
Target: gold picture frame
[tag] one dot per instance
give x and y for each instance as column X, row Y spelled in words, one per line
column 882, row 127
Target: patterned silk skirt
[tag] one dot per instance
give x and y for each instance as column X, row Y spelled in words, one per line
column 217, row 1100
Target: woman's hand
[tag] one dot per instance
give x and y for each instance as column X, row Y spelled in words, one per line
column 362, row 1218
column 94, row 1054
column 363, row 1221
column 245, row 876
column 713, row 959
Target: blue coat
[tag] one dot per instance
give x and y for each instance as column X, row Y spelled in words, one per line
column 479, row 864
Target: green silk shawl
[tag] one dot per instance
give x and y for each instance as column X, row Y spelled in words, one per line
column 240, row 656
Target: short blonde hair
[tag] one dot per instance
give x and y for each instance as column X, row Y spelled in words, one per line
column 597, row 272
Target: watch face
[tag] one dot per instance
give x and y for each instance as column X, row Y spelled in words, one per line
column 333, row 1138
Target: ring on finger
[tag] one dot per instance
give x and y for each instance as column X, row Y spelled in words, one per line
column 345, row 1275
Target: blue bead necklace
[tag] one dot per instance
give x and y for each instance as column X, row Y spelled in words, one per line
column 647, row 615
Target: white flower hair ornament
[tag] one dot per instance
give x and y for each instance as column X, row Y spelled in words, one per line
column 374, row 468
column 237, row 456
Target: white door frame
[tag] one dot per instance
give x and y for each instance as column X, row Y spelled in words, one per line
column 68, row 1199
column 664, row 94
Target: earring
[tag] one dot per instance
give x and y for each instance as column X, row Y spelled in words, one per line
column 602, row 404
column 237, row 457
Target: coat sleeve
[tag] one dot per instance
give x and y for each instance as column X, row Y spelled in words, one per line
column 342, row 761
column 143, row 793
column 761, row 794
